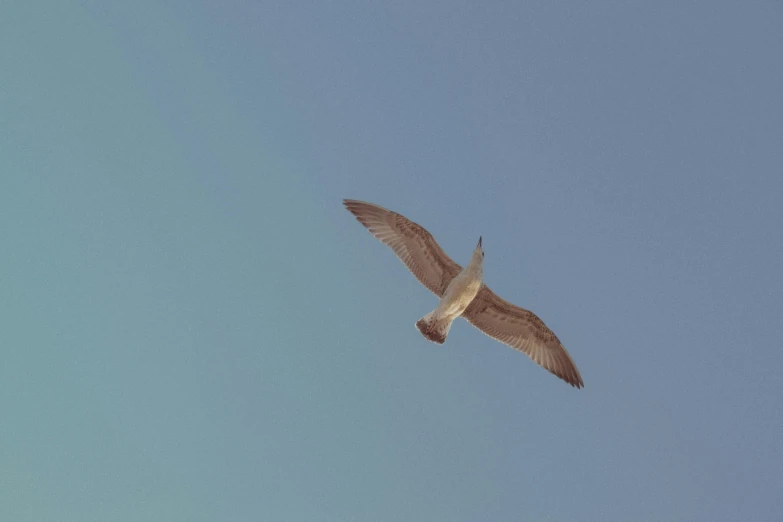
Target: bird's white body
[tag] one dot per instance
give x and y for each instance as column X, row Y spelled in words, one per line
column 458, row 295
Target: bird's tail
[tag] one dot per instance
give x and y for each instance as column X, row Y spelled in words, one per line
column 434, row 328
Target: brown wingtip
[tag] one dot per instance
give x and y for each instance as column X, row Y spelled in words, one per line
column 360, row 210
column 352, row 206
column 573, row 378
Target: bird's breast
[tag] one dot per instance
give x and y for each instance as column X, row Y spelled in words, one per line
column 459, row 294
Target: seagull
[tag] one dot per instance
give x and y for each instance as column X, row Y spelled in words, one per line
column 462, row 292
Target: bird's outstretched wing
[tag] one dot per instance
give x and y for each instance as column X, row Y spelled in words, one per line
column 523, row 330
column 413, row 245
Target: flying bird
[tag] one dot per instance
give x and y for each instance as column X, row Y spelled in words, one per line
column 463, row 293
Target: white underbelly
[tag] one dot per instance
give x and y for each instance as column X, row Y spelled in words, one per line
column 458, row 296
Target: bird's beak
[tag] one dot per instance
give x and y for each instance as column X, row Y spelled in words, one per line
column 479, row 242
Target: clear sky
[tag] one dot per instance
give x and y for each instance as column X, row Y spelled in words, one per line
column 193, row 328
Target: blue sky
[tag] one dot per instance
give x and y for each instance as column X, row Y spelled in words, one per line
column 193, row 328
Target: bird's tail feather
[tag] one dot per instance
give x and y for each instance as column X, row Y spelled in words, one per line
column 433, row 328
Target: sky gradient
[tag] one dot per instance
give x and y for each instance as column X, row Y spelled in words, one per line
column 193, row 327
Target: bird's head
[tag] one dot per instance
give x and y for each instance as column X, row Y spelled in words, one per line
column 478, row 256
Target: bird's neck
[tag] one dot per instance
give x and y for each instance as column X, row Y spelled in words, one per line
column 475, row 268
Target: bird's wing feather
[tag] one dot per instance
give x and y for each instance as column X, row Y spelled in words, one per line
column 415, row 247
column 523, row 330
